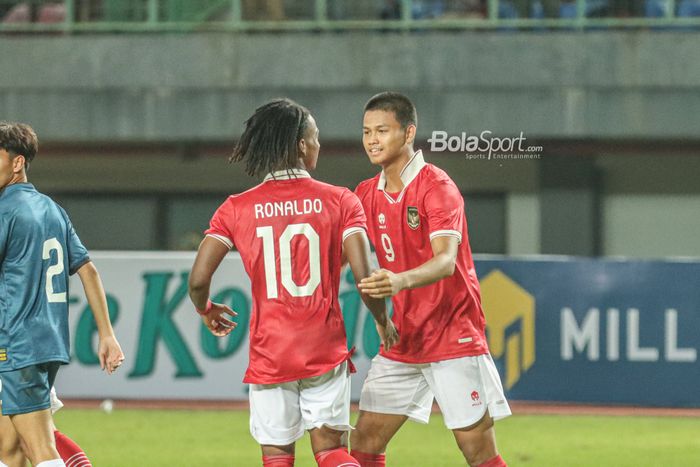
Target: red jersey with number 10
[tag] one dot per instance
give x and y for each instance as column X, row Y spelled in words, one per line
column 442, row 320
column 289, row 232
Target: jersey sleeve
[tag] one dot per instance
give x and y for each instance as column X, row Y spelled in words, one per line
column 77, row 253
column 444, row 207
column 353, row 215
column 219, row 224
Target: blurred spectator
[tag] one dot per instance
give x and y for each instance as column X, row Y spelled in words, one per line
column 625, row 8
column 89, row 10
column 526, row 8
column 30, row 12
column 465, row 9
column 52, row 13
column 336, row 9
column 21, row 13
column 428, row 9
column 263, row 10
column 391, row 10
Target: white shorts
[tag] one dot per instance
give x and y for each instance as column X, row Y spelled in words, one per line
column 281, row 413
column 56, row 403
column 464, row 388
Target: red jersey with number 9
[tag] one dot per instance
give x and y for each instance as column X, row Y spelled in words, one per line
column 442, row 320
column 289, row 231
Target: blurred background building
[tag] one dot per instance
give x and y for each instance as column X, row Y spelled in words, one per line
column 138, row 103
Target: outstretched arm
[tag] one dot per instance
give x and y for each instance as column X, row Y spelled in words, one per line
column 211, row 253
column 357, row 251
column 384, row 283
column 109, row 351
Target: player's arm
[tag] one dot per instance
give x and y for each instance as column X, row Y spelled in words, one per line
column 211, row 253
column 384, row 283
column 357, row 250
column 109, row 351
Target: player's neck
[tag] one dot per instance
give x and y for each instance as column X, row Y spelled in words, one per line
column 392, row 173
column 282, row 168
column 17, row 178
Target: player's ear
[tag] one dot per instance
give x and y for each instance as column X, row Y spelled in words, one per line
column 410, row 134
column 301, row 148
column 18, row 163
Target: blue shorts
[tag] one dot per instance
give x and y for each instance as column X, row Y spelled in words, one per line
column 28, row 389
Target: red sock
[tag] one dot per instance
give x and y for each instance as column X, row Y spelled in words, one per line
column 70, row 452
column 494, row 462
column 369, row 460
column 337, row 457
column 281, row 460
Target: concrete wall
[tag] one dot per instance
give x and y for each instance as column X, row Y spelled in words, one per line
column 202, row 86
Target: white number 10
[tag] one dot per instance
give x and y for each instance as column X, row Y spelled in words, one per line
column 285, row 241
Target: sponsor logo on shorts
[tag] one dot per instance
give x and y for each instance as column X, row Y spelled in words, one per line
column 475, row 399
column 510, row 322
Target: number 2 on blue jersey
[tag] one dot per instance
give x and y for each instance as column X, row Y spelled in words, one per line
column 53, row 270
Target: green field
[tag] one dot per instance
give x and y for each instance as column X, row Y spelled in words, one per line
column 131, row 438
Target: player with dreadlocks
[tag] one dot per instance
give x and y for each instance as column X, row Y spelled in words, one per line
column 291, row 232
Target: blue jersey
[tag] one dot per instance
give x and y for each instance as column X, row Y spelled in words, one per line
column 38, row 251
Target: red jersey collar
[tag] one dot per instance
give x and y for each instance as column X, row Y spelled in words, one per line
column 408, row 173
column 287, row 174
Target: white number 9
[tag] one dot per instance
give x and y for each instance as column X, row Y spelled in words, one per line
column 388, row 249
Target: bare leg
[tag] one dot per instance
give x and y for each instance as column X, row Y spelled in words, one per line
column 10, row 449
column 35, row 429
column 477, row 442
column 270, row 450
column 325, row 438
column 374, row 431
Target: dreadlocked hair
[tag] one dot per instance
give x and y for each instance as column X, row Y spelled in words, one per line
column 269, row 141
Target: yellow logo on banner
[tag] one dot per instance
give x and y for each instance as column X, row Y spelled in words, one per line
column 505, row 303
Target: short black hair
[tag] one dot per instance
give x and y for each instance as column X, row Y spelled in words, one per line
column 19, row 139
column 403, row 108
column 269, row 141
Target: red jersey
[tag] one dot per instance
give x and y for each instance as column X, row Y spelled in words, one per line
column 439, row 321
column 289, row 231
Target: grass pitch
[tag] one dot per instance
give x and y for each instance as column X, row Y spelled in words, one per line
column 130, row 438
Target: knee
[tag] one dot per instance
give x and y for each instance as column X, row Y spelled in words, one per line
column 9, row 448
column 477, row 455
column 327, row 438
column 478, row 443
column 367, row 440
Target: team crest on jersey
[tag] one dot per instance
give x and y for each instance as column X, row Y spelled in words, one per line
column 412, row 217
column 3, row 355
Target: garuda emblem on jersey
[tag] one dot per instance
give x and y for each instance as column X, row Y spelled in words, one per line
column 412, row 217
